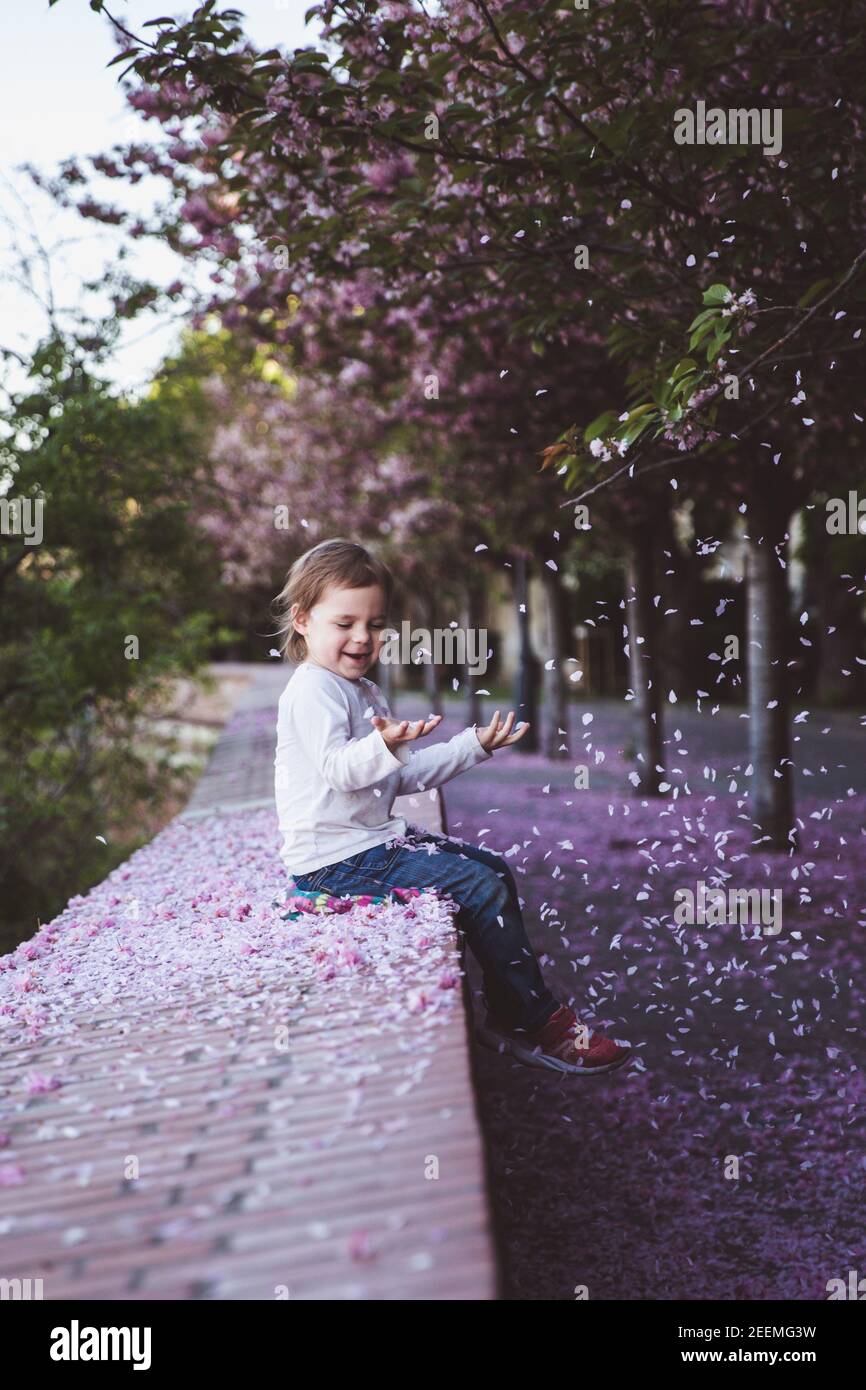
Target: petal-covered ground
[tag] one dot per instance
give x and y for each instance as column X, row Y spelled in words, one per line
column 205, row 893
column 729, row 1160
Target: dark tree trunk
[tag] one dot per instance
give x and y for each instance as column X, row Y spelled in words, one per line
column 837, row 602
column 553, row 682
column 681, row 592
column 766, row 655
column 641, row 622
column 432, row 674
column 473, row 615
column 526, row 685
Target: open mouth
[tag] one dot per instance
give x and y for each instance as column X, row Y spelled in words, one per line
column 357, row 656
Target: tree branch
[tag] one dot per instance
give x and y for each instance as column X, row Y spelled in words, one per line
column 696, row 413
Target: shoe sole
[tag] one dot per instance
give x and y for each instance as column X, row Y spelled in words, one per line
column 498, row 1042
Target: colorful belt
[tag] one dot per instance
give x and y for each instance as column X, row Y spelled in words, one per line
column 302, row 902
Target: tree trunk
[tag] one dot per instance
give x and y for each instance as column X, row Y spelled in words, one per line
column 432, row 674
column 837, row 604
column 680, row 590
column 433, row 687
column 643, row 660
column 553, row 683
column 526, row 685
column 473, row 613
column 767, row 674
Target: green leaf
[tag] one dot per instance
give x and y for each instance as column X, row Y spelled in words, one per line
column 303, row 61
column 634, row 431
column 716, row 294
column 127, row 53
column 687, row 365
column 702, row 332
column 702, row 318
column 685, row 388
column 602, row 425
column 717, row 344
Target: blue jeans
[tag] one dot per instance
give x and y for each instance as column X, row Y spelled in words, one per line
column 483, row 887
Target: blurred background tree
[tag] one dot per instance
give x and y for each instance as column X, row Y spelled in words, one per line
column 118, row 598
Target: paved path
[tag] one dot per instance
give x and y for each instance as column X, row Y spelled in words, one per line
column 201, row 1101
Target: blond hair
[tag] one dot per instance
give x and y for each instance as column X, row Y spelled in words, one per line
column 337, row 561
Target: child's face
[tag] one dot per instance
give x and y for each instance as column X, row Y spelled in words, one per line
column 344, row 629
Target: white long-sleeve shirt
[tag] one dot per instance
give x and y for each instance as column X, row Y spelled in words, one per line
column 335, row 778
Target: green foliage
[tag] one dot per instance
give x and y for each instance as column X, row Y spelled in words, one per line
column 119, row 558
column 673, row 382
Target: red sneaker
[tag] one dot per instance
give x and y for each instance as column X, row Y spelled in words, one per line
column 562, row 1045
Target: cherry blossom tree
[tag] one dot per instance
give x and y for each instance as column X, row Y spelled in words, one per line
column 556, row 165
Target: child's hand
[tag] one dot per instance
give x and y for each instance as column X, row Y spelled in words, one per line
column 395, row 731
column 497, row 734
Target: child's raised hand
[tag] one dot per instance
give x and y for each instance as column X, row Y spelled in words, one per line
column 497, row 734
column 396, row 731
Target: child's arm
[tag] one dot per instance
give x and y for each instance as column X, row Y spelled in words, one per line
column 345, row 764
column 432, row 766
column 429, row 767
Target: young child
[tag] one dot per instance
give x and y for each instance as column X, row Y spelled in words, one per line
column 341, row 760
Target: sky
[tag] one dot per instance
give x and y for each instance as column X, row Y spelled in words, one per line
column 59, row 99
